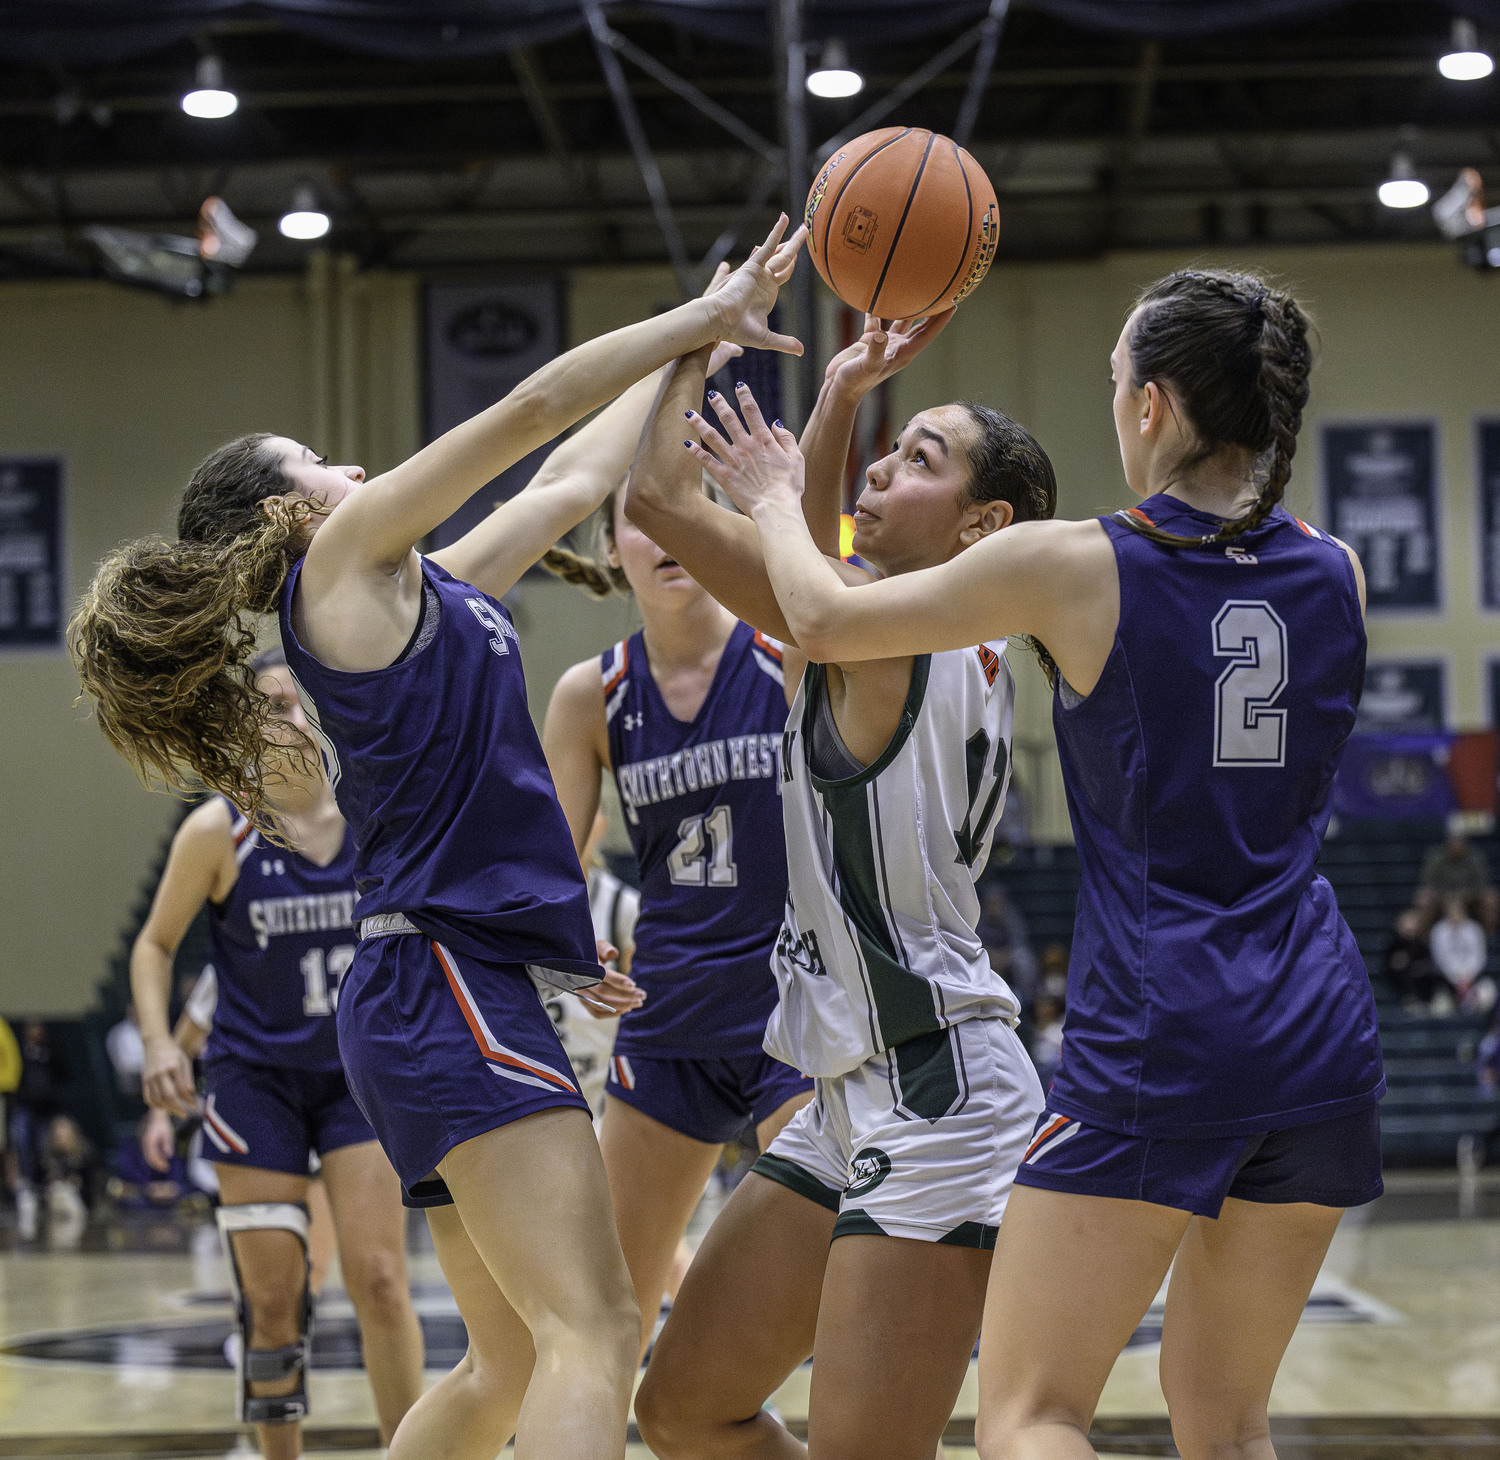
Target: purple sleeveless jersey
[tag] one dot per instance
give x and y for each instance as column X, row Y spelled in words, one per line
column 703, row 808
column 438, row 770
column 1214, row 988
column 281, row 940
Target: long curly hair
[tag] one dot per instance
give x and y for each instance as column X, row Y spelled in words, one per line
column 1236, row 353
column 164, row 638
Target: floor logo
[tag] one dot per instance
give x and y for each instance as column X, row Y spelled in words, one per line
column 870, row 1168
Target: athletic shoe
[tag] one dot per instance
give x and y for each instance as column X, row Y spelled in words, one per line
column 221, row 236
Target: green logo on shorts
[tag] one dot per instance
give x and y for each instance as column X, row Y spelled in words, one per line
column 870, row 1168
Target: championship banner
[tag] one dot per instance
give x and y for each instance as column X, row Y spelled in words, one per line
column 482, row 340
column 31, row 553
column 1489, row 513
column 1380, row 485
column 1403, row 696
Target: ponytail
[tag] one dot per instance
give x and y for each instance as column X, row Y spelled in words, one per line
column 164, row 638
column 595, row 575
column 600, row 579
column 1236, row 355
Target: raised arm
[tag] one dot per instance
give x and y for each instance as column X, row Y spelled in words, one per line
column 849, row 377
column 572, row 482
column 720, row 548
column 1055, row 580
column 666, row 501
column 375, row 527
column 199, row 867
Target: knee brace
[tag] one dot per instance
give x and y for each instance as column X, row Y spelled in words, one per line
column 265, row 1365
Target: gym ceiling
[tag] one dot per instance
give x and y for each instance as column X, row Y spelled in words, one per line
column 474, row 132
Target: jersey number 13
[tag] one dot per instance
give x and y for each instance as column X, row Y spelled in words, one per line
column 1248, row 731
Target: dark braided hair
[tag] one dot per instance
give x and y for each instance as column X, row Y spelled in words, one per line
column 1235, row 354
column 1007, row 464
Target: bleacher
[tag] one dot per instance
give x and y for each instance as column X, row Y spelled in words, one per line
column 1434, row 1113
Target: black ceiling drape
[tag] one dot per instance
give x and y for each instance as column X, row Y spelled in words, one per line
column 97, row 32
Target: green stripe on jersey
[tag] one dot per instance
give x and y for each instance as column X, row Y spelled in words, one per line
column 903, row 999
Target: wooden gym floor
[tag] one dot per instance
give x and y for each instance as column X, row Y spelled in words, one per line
column 110, row 1344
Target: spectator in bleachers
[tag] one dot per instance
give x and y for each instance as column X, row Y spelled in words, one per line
column 1003, row 931
column 71, row 1165
column 1047, row 1034
column 37, row 1100
column 127, row 1054
column 1459, row 952
column 1458, row 869
column 1409, row 967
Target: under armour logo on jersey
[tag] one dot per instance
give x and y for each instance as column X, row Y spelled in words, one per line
column 275, row 865
column 634, row 721
column 499, row 627
column 1239, row 555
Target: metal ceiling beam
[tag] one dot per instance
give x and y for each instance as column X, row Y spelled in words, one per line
column 979, row 74
column 645, row 160
column 270, row 98
column 528, row 71
column 691, row 94
column 710, row 215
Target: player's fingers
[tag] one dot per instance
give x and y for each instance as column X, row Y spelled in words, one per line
column 751, row 409
column 784, row 438
column 725, row 412
column 783, row 344
column 720, row 274
column 772, row 239
column 710, row 438
column 709, row 462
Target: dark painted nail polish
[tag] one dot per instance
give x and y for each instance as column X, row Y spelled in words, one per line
column 778, row 423
column 713, row 395
column 740, row 385
column 688, row 444
column 688, row 414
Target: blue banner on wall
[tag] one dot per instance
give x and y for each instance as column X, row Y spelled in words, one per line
column 1494, row 689
column 1403, row 696
column 483, row 340
column 1394, row 777
column 1489, row 511
column 1381, row 489
column 31, row 553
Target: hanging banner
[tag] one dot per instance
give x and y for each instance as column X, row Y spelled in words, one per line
column 1403, row 696
column 482, row 340
column 1489, row 512
column 1394, row 777
column 1381, row 488
column 31, row 554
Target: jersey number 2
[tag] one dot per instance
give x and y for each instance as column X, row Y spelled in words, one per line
column 705, row 851
column 1247, row 730
column 321, row 975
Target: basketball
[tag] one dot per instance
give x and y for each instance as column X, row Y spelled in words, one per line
column 902, row 222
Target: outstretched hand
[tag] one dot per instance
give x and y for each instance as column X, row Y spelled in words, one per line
column 725, row 350
column 744, row 301
column 883, row 350
column 753, row 462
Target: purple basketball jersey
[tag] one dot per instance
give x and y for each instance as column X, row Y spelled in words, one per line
column 1214, row 988
column 703, row 808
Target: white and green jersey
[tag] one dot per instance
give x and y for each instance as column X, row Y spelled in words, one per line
column 879, row 944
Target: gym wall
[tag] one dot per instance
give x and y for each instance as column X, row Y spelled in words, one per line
column 132, row 389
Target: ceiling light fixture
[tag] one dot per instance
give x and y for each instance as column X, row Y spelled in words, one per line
column 209, row 99
column 834, row 76
column 1403, row 189
column 1464, row 60
column 306, row 220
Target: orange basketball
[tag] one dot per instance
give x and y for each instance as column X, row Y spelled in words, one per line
column 902, row 222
